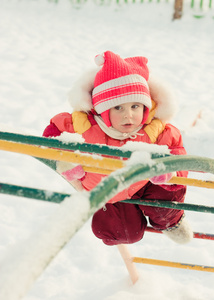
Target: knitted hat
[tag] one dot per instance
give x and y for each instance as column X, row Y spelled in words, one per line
column 120, row 81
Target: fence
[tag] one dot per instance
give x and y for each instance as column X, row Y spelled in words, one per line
column 198, row 8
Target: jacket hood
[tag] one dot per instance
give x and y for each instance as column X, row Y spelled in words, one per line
column 80, row 96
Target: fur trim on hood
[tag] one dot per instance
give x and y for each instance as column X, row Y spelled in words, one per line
column 80, row 96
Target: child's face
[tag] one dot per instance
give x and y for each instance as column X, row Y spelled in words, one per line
column 126, row 117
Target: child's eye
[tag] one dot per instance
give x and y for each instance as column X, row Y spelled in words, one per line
column 134, row 106
column 118, row 107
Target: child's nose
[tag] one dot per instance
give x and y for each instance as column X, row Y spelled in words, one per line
column 128, row 113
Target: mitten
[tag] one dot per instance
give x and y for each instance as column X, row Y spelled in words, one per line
column 74, row 173
column 161, row 179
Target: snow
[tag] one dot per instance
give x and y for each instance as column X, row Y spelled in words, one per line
column 151, row 148
column 44, row 48
column 66, row 137
column 142, row 157
column 57, row 229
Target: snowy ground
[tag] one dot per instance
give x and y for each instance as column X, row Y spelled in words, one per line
column 44, row 47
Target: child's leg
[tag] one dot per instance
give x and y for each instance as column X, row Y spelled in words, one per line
column 160, row 217
column 119, row 223
column 171, row 221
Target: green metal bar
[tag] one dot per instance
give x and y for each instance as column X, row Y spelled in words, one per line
column 54, row 143
column 123, row 178
column 55, row 197
column 82, row 147
column 26, row 192
column 48, row 162
column 173, row 205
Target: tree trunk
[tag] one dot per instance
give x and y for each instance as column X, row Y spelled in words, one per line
column 178, row 7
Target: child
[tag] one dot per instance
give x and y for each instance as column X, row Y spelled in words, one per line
column 114, row 104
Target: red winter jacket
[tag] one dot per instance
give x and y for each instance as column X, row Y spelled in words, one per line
column 154, row 131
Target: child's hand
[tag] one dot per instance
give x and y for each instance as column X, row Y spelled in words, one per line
column 75, row 173
column 161, row 179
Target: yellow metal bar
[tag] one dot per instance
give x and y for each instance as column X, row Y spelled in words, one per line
column 86, row 160
column 192, row 182
column 90, row 163
column 97, row 170
column 164, row 263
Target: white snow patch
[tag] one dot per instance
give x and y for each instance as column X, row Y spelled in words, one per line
column 140, row 157
column 140, row 146
column 27, row 260
column 67, row 137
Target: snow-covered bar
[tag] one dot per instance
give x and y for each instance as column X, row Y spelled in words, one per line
column 55, row 197
column 72, row 143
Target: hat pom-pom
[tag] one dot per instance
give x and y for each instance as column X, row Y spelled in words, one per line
column 99, row 59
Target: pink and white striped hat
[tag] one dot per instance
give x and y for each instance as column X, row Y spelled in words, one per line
column 120, row 81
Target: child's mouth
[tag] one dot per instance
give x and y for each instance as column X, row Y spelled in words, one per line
column 127, row 125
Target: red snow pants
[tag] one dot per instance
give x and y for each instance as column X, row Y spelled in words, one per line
column 124, row 223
